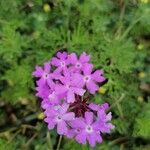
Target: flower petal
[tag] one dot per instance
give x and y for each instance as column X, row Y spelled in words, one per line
column 78, row 123
column 84, row 58
column 93, row 138
column 64, row 108
column 87, row 69
column 62, row 128
column 70, row 96
column 73, row 58
column 51, row 123
column 55, row 61
column 78, row 91
column 89, row 117
column 38, row 71
column 60, row 89
column 62, row 55
column 47, row 67
column 92, row 87
column 81, row 138
column 77, row 80
column 93, row 106
column 97, row 76
column 69, row 116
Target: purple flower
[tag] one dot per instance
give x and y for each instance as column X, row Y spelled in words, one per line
column 61, row 61
column 43, row 74
column 42, row 91
column 69, row 88
column 88, row 129
column 78, row 63
column 59, row 116
column 103, row 118
column 89, row 79
column 61, row 85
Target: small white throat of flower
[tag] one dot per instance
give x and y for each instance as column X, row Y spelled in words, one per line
column 63, row 64
column 87, row 78
column 45, row 75
column 78, row 65
column 51, row 96
column 58, row 118
column 89, row 129
column 57, row 107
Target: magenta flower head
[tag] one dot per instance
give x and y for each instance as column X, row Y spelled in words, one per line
column 65, row 85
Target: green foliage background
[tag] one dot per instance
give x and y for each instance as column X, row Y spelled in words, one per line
column 116, row 33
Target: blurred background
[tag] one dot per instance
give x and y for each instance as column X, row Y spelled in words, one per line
column 116, row 33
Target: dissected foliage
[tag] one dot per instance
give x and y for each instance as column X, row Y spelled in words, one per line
column 114, row 33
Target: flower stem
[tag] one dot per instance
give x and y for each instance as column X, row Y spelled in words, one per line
column 49, row 142
column 59, row 142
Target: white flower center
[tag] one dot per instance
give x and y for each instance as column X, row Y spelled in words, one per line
column 78, row 65
column 63, row 64
column 57, row 107
column 58, row 118
column 87, row 78
column 51, row 96
column 89, row 129
column 68, row 86
column 45, row 75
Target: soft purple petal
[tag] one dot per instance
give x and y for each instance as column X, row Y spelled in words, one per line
column 92, row 87
column 45, row 104
column 47, row 67
column 108, row 116
column 62, row 55
column 62, row 128
column 55, row 61
column 104, row 106
column 60, row 89
column 50, row 112
column 64, row 108
column 78, row 123
column 81, row 138
column 89, row 117
column 38, row 71
column 78, row 91
column 101, row 115
column 98, row 137
column 51, row 123
column 69, row 116
column 97, row 76
column 77, row 80
column 71, row 133
column 87, row 69
column 84, row 58
column 70, row 96
column 73, row 58
column 93, row 106
column 91, row 139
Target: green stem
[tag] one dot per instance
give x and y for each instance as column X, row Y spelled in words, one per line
column 117, row 102
column 120, row 22
column 49, row 142
column 130, row 27
column 59, row 142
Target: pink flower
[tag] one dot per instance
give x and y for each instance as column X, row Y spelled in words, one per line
column 78, row 63
column 89, row 79
column 60, row 117
column 88, row 129
column 43, row 74
column 69, row 88
column 61, row 61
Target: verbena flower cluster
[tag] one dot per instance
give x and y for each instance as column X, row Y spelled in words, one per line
column 64, row 85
